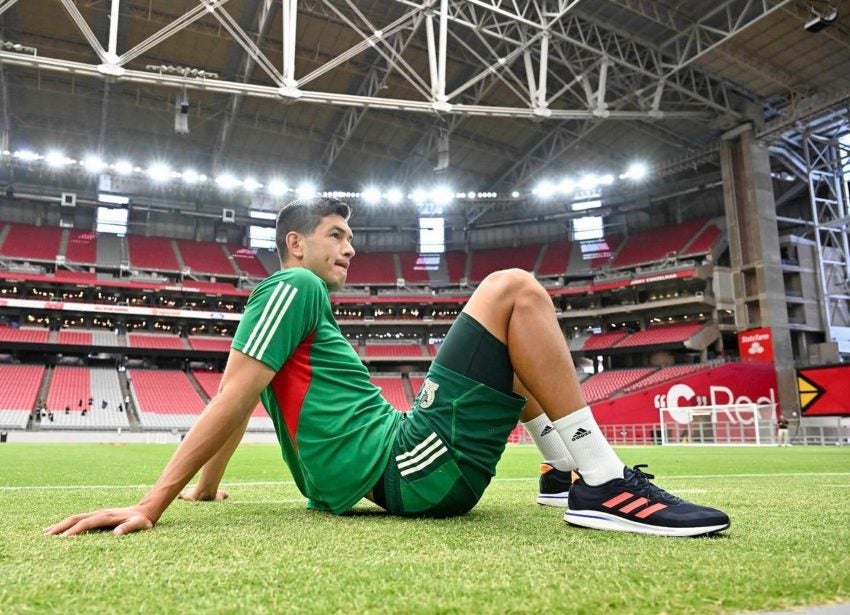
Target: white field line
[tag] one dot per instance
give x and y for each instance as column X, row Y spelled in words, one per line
column 504, row 480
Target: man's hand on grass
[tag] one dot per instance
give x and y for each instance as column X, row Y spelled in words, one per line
column 196, row 494
column 120, row 520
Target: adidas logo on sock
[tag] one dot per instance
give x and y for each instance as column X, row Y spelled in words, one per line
column 547, row 429
column 580, row 433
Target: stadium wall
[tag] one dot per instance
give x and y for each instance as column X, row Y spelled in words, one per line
column 726, row 384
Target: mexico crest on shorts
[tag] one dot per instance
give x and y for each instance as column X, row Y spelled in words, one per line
column 428, row 392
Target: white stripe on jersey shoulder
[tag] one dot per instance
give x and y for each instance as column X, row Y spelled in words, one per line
column 262, row 318
column 417, row 448
column 425, row 463
column 272, row 314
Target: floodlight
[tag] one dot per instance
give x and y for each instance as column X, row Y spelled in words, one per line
column 190, row 176
column 305, row 190
column 159, row 172
column 545, row 189
column 25, row 155
column 122, row 167
column 606, row 180
column 372, row 195
column 515, row 194
column 588, row 182
column 276, row 188
column 93, row 164
column 441, row 195
column 227, row 181
column 566, row 186
column 56, row 159
column 250, row 184
column 636, row 171
column 419, row 196
column 394, row 196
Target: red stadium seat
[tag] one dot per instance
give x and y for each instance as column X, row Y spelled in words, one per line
column 38, row 243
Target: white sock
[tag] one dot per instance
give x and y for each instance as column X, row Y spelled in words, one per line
column 549, row 443
column 597, row 462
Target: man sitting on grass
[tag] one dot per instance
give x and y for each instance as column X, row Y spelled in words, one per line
column 504, row 355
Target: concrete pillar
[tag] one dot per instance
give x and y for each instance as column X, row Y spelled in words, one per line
column 754, row 251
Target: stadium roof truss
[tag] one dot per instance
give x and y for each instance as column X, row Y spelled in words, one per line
column 564, row 69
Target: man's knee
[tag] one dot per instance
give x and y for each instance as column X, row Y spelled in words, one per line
column 512, row 278
column 515, row 283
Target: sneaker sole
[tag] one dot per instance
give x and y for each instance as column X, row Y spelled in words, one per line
column 604, row 521
column 555, row 500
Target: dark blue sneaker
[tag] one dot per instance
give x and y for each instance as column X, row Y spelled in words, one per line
column 633, row 504
column 554, row 486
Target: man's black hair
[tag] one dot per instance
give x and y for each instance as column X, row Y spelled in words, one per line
column 303, row 216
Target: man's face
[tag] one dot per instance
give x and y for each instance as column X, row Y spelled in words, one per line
column 328, row 251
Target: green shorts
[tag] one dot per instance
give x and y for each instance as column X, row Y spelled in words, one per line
column 447, row 447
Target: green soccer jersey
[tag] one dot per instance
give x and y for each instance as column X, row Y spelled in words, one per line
column 334, row 428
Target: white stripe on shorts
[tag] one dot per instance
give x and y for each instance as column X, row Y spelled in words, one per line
column 414, row 460
column 416, row 448
column 425, row 463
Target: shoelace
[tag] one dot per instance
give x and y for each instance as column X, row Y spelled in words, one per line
column 641, row 480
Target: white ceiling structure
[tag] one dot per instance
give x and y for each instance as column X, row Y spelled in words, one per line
column 483, row 94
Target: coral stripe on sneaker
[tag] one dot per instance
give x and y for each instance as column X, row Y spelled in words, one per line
column 651, row 509
column 617, row 499
column 632, row 505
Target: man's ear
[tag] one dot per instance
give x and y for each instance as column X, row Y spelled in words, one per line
column 295, row 244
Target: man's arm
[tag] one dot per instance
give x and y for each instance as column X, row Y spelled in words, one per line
column 206, row 489
column 241, row 384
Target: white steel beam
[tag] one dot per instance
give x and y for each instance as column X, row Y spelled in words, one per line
column 290, row 15
column 441, row 52
column 332, row 98
column 432, row 54
column 84, row 28
column 250, row 47
column 112, row 48
column 371, row 84
column 540, row 101
column 169, row 30
column 235, row 103
column 378, row 41
column 5, row 5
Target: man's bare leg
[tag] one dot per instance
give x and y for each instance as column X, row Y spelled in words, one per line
column 556, row 471
column 543, row 433
column 517, row 310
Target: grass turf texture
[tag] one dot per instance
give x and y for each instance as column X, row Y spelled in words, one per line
column 262, row 551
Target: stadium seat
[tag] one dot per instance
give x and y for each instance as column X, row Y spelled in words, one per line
column 17, row 402
column 660, row 334
column 75, row 338
column 24, row 334
column 605, row 384
column 82, row 247
column 152, row 253
column 215, row 344
column 165, row 399
column 247, row 261
column 392, row 389
column 36, row 243
column 655, row 244
column 205, row 257
column 372, row 268
column 165, row 342
column 412, row 267
column 555, row 259
column 602, row 341
column 393, row 350
column 485, row 262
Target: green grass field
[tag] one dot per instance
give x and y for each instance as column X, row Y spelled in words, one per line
column 262, row 551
